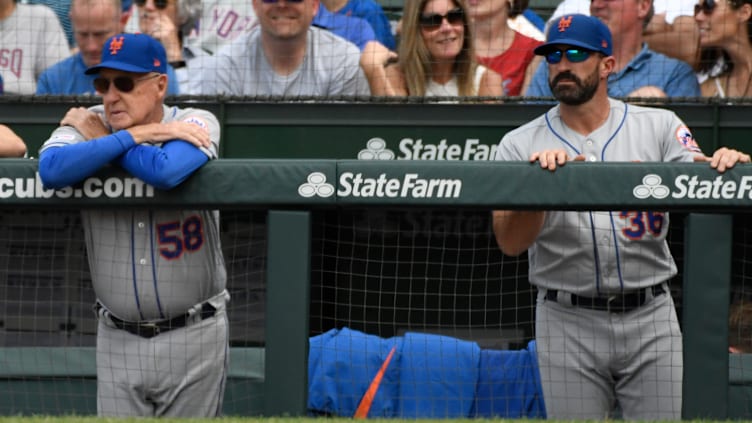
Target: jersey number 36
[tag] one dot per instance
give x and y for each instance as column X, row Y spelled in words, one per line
column 639, row 223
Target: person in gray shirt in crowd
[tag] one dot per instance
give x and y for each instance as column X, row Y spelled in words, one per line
column 285, row 56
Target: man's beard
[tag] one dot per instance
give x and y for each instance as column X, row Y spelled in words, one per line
column 579, row 93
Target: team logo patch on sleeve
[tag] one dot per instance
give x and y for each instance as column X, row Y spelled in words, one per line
column 684, row 136
column 198, row 121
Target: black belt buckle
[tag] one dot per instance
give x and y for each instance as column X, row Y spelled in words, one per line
column 146, row 330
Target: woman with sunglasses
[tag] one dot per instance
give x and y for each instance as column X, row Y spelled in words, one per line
column 435, row 56
column 499, row 47
column 726, row 47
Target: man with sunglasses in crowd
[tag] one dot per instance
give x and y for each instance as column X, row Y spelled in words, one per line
column 93, row 21
column 159, row 275
column 606, row 329
column 638, row 70
column 286, row 56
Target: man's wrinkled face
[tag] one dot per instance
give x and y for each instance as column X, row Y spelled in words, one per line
column 133, row 102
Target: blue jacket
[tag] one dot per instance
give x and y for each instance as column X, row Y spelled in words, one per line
column 372, row 12
column 353, row 29
column 429, row 376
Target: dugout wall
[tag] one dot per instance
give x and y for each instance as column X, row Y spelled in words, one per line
column 401, row 131
column 278, row 186
column 315, row 132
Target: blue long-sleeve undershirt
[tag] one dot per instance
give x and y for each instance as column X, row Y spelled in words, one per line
column 162, row 167
column 66, row 165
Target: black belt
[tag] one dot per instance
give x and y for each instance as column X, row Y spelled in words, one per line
column 619, row 303
column 152, row 329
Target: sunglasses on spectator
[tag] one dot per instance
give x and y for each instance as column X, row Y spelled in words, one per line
column 434, row 20
column 574, row 55
column 705, row 6
column 277, row 1
column 123, row 84
column 159, row 4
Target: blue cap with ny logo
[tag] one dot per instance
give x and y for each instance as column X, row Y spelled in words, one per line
column 576, row 30
column 138, row 53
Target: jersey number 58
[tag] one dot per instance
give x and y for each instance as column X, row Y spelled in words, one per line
column 174, row 238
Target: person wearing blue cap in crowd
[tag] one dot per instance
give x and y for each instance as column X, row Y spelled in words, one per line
column 638, row 70
column 606, row 327
column 93, row 22
column 159, row 275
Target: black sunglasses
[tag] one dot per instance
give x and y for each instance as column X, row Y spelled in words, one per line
column 574, row 55
column 705, row 6
column 434, row 20
column 159, row 4
column 123, row 84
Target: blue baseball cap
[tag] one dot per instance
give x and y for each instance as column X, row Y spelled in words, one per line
column 132, row 53
column 127, row 5
column 580, row 31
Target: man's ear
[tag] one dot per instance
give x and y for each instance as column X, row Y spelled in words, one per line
column 162, row 83
column 744, row 12
column 607, row 66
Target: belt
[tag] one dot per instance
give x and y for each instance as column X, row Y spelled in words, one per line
column 152, row 329
column 619, row 303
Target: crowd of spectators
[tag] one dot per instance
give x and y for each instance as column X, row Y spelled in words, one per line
column 663, row 48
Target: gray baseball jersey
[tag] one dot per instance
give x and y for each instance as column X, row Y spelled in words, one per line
column 32, row 40
column 153, row 264
column 598, row 253
column 331, row 68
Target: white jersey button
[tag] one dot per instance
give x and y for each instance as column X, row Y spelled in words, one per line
column 142, row 261
column 141, row 225
column 592, row 158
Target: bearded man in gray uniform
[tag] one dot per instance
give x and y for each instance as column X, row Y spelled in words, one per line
column 159, row 275
column 606, row 328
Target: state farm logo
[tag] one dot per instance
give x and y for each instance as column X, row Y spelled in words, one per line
column 376, row 150
column 651, row 187
column 408, row 185
column 316, row 185
column 417, row 149
column 695, row 187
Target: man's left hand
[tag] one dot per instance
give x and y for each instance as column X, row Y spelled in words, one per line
column 724, row 158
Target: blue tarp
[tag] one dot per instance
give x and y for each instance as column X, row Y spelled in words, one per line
column 429, row 376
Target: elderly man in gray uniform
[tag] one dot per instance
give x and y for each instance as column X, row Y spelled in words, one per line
column 605, row 322
column 159, row 275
